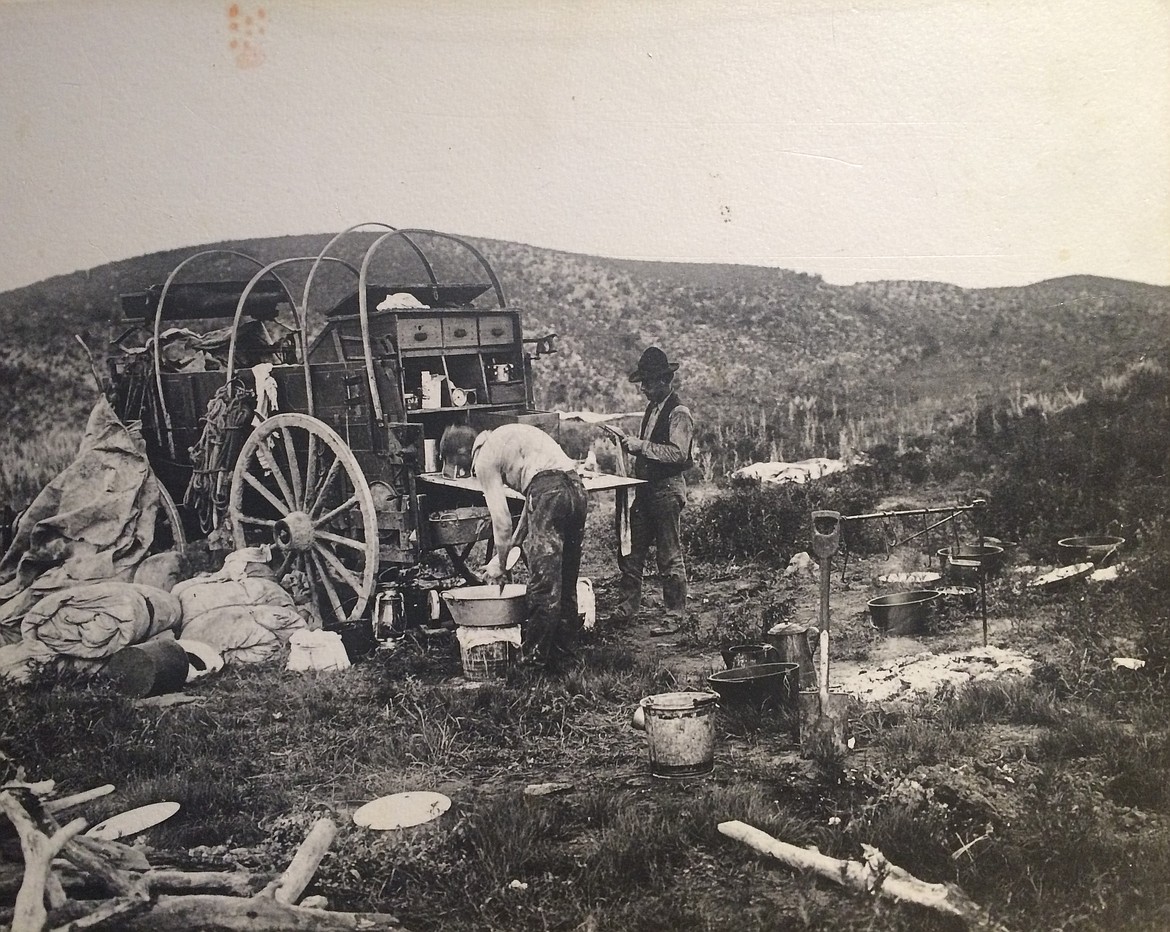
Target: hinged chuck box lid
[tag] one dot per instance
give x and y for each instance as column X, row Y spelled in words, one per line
column 205, row 300
column 427, row 295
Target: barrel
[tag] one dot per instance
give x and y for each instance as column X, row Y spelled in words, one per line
column 148, row 669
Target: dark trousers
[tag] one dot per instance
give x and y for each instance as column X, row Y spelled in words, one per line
column 655, row 520
column 557, row 506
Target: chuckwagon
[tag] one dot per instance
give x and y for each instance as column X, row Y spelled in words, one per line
column 325, row 448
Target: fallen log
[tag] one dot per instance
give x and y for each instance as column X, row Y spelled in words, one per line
column 138, row 903
column 300, row 871
column 68, row 802
column 875, row 875
column 208, row 913
column 29, row 912
column 232, row 883
column 117, row 854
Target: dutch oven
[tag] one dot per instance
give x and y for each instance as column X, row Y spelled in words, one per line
column 988, row 556
column 1099, row 550
column 903, row 612
column 762, row 684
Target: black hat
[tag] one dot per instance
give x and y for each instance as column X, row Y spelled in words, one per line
column 652, row 365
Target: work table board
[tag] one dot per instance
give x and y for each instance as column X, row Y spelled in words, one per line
column 593, row 482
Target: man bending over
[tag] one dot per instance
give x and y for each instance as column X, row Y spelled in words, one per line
column 526, row 459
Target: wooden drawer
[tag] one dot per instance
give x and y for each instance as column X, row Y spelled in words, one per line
column 496, row 329
column 419, row 333
column 459, row 331
column 506, row 393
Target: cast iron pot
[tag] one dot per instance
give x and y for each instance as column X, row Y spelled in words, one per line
column 903, row 612
column 760, row 685
column 988, row 556
column 1099, row 550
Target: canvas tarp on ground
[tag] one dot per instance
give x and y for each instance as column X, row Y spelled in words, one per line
column 94, row 522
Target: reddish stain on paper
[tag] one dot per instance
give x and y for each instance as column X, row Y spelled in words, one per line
column 245, row 29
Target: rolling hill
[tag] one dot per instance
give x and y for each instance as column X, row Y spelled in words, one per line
column 769, row 356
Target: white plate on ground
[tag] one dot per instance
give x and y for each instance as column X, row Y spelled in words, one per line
column 133, row 821
column 1063, row 574
column 922, row 579
column 402, row 810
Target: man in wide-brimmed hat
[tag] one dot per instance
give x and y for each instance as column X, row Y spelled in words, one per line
column 662, row 454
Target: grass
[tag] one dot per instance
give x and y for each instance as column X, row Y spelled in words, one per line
column 1044, row 799
column 1075, row 842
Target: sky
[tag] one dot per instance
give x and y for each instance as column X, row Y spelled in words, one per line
column 979, row 142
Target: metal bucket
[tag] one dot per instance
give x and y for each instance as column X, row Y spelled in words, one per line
column 964, row 598
column 680, row 732
column 487, row 606
column 491, row 661
column 1099, row 549
column 989, row 557
column 748, row 655
column 903, row 612
column 759, row 685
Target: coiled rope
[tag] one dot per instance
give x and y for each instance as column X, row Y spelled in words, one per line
column 228, row 417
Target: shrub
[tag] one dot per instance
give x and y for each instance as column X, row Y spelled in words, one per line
column 770, row 523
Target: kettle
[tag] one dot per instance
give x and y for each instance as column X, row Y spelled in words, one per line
column 747, row 655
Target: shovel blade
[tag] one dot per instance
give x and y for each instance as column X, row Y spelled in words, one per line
column 823, row 725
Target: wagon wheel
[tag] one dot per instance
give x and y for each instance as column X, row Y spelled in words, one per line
column 168, row 524
column 298, row 487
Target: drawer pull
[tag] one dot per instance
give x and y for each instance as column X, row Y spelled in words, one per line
column 497, row 331
column 460, row 332
column 421, row 335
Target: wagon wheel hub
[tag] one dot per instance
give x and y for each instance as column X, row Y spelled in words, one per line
column 294, row 532
column 296, row 484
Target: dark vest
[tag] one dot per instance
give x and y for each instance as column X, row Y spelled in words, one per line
column 652, row 469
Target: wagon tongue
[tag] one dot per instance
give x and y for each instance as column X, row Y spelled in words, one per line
column 294, row 531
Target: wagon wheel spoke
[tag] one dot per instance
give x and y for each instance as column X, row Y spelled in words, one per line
column 256, row 484
column 341, row 572
column 269, row 462
column 345, row 506
column 359, row 546
column 329, row 531
column 320, row 580
column 326, row 484
column 168, row 522
column 294, row 468
column 256, row 522
column 310, row 469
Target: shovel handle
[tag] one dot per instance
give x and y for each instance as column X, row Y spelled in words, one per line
column 823, row 672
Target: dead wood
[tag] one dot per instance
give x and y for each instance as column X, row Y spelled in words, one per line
column 115, row 853
column 82, row 914
column 206, row 913
column 230, row 883
column 119, row 883
column 159, row 900
column 77, row 799
column 875, row 875
column 299, row 873
column 29, row 912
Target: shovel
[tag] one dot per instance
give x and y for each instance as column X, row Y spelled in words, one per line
column 822, row 723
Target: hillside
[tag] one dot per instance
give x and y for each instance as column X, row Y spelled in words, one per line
column 772, row 360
